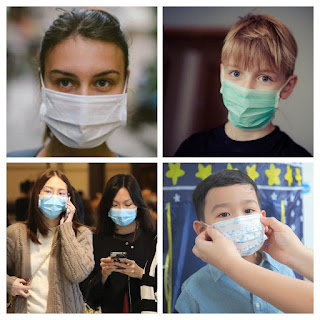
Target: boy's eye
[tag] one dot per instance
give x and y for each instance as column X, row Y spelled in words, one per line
column 265, row 78
column 248, row 210
column 235, row 74
column 224, row 215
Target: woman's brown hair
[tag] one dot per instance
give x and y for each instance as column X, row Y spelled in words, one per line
column 35, row 219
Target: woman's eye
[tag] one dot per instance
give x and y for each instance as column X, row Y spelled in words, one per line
column 224, row 214
column 265, row 78
column 103, row 83
column 64, row 83
column 47, row 191
column 248, row 210
column 235, row 74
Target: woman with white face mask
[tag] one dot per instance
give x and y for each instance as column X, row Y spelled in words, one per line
column 83, row 73
column 49, row 253
column 125, row 228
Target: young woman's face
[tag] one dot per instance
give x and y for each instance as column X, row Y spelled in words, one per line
column 122, row 200
column 55, row 186
column 85, row 67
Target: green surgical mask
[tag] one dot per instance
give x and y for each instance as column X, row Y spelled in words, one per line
column 249, row 109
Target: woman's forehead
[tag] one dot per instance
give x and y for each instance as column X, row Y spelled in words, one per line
column 78, row 55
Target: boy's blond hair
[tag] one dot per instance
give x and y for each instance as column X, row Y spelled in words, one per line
column 263, row 39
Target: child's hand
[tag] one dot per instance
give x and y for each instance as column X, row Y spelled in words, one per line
column 282, row 243
column 212, row 247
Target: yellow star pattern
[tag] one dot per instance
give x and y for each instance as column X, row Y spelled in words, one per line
column 174, row 172
column 273, row 175
column 229, row 167
column 252, row 172
column 288, row 176
column 204, row 172
column 298, row 176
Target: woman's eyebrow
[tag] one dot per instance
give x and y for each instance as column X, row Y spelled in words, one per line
column 106, row 73
column 65, row 73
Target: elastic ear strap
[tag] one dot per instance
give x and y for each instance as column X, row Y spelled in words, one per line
column 288, row 80
column 125, row 85
column 41, row 80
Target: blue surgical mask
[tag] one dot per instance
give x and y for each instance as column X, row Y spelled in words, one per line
column 52, row 206
column 122, row 217
column 249, row 109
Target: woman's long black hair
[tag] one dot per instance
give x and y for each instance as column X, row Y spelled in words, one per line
column 105, row 225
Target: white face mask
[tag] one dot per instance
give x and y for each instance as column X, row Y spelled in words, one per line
column 80, row 121
column 246, row 232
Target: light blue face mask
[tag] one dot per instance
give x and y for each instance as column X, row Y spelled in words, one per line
column 52, row 206
column 122, row 217
column 249, row 109
column 246, row 232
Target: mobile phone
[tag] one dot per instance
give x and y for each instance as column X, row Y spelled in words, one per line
column 67, row 212
column 118, row 256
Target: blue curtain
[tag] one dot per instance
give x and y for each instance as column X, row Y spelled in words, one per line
column 280, row 186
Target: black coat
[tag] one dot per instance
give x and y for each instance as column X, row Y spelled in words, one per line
column 110, row 296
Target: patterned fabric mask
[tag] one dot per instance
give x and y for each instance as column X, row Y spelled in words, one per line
column 246, row 232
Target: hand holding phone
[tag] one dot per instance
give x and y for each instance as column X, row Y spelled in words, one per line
column 119, row 257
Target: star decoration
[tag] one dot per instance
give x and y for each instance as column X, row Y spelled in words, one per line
column 229, row 167
column 274, row 196
column 292, row 197
column 204, row 172
column 252, row 172
column 288, row 176
column 176, row 198
column 273, row 175
column 174, row 172
column 298, row 176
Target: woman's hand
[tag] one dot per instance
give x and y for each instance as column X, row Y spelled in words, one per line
column 19, row 288
column 212, row 247
column 107, row 267
column 71, row 209
column 131, row 269
column 282, row 243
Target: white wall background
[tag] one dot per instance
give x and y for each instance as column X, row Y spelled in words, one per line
column 295, row 115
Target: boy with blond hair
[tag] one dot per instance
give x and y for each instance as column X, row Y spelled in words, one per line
column 257, row 69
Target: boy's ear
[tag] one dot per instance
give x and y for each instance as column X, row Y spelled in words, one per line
column 263, row 213
column 287, row 90
column 198, row 226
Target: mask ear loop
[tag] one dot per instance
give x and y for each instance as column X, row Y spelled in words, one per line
column 41, row 80
column 282, row 113
column 125, row 86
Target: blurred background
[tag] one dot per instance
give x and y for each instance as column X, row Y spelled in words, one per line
column 192, row 42
column 25, row 28
column 88, row 179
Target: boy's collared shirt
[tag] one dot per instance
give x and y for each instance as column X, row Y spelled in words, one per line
column 209, row 290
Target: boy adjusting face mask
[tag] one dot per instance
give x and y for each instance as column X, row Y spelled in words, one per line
column 249, row 109
column 246, row 232
column 80, row 121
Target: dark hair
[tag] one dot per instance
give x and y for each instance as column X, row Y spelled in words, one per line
column 91, row 24
column 221, row 178
column 105, row 225
column 35, row 219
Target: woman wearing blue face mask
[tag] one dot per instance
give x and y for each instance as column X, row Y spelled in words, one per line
column 124, row 226
column 49, row 253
